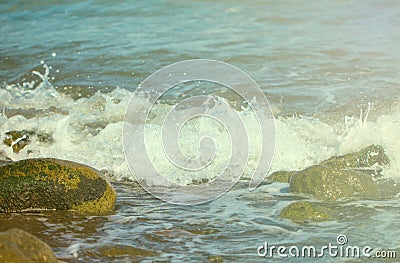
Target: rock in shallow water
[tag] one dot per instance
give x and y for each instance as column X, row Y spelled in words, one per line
column 19, row 246
column 44, row 183
column 340, row 177
column 331, row 184
column 346, row 176
column 306, row 211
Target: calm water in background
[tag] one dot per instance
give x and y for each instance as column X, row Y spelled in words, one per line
column 324, row 52
column 316, row 58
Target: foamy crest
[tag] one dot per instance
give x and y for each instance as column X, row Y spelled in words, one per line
column 201, row 146
column 89, row 130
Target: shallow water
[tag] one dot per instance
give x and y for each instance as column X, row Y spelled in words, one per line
column 143, row 229
column 320, row 64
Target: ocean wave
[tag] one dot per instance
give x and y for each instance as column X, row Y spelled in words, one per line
column 89, row 130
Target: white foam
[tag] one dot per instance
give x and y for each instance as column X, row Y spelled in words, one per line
column 91, row 133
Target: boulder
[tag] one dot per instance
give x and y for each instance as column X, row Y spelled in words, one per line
column 346, row 176
column 19, row 246
column 46, row 183
column 306, row 211
column 331, row 184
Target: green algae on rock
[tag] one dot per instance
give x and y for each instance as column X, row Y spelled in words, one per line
column 52, row 184
column 332, row 184
column 306, row 211
column 19, row 246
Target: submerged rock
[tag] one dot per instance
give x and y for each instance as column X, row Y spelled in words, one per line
column 331, row 184
column 120, row 251
column 19, row 246
column 306, row 211
column 45, row 183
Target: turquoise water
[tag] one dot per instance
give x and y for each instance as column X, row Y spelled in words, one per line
column 307, row 56
column 319, row 63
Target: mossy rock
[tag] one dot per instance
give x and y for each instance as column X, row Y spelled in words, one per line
column 281, row 176
column 330, row 184
column 19, row 246
column 367, row 157
column 306, row 211
column 52, row 184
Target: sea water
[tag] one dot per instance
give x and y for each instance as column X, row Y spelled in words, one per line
column 328, row 69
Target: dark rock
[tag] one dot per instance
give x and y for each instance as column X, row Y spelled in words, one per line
column 306, row 211
column 19, row 246
column 44, row 183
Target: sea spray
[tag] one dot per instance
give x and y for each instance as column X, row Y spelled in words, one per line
column 89, row 130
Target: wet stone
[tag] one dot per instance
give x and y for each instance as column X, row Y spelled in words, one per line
column 304, row 211
column 53, row 184
column 19, row 246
